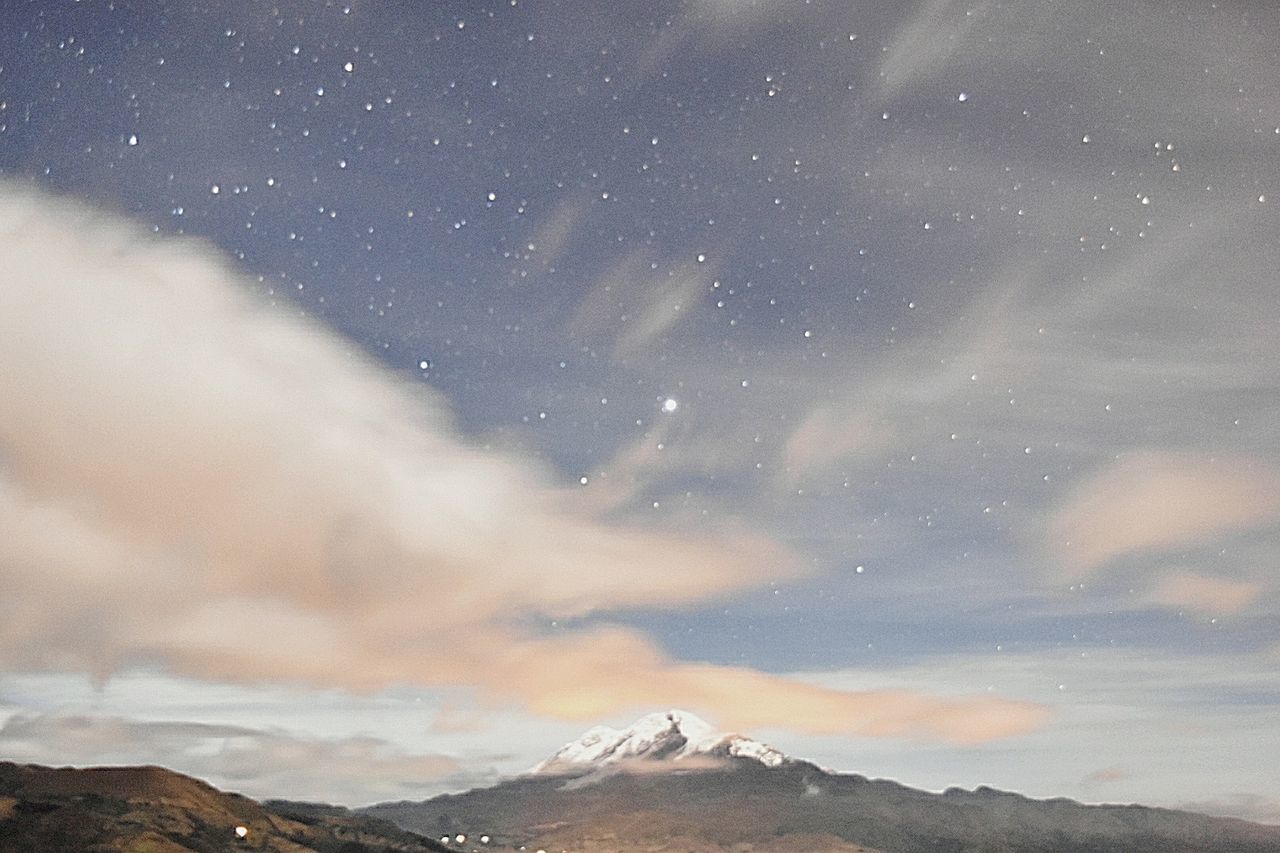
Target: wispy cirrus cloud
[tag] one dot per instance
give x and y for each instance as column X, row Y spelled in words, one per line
column 638, row 300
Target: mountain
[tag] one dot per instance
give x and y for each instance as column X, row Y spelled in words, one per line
column 669, row 782
column 160, row 811
column 675, row 736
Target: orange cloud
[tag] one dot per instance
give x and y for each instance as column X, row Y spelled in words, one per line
column 1158, row 501
column 609, row 670
column 194, row 479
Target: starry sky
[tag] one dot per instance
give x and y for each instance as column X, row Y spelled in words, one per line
column 394, row 389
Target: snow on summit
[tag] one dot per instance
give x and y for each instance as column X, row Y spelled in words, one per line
column 665, row 736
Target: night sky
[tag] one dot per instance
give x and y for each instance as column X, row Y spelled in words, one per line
column 392, row 390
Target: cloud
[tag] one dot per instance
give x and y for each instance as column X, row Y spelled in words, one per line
column 454, row 719
column 928, row 41
column 584, row 686
column 194, row 479
column 639, row 300
column 558, row 230
column 1105, row 775
column 1155, row 501
column 1204, row 593
column 825, row 436
column 1148, row 712
column 257, row 762
column 705, row 27
column 632, row 767
column 1245, row 806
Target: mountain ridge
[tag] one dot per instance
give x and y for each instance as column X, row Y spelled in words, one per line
column 150, row 808
column 663, row 786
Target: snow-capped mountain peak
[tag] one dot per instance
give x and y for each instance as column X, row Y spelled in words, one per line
column 669, row 736
column 744, row 747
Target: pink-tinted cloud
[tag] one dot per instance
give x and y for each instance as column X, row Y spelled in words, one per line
column 1157, row 501
column 825, row 437
column 1204, row 593
column 612, row 669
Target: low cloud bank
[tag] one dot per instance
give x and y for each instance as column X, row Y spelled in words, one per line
column 258, row 762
